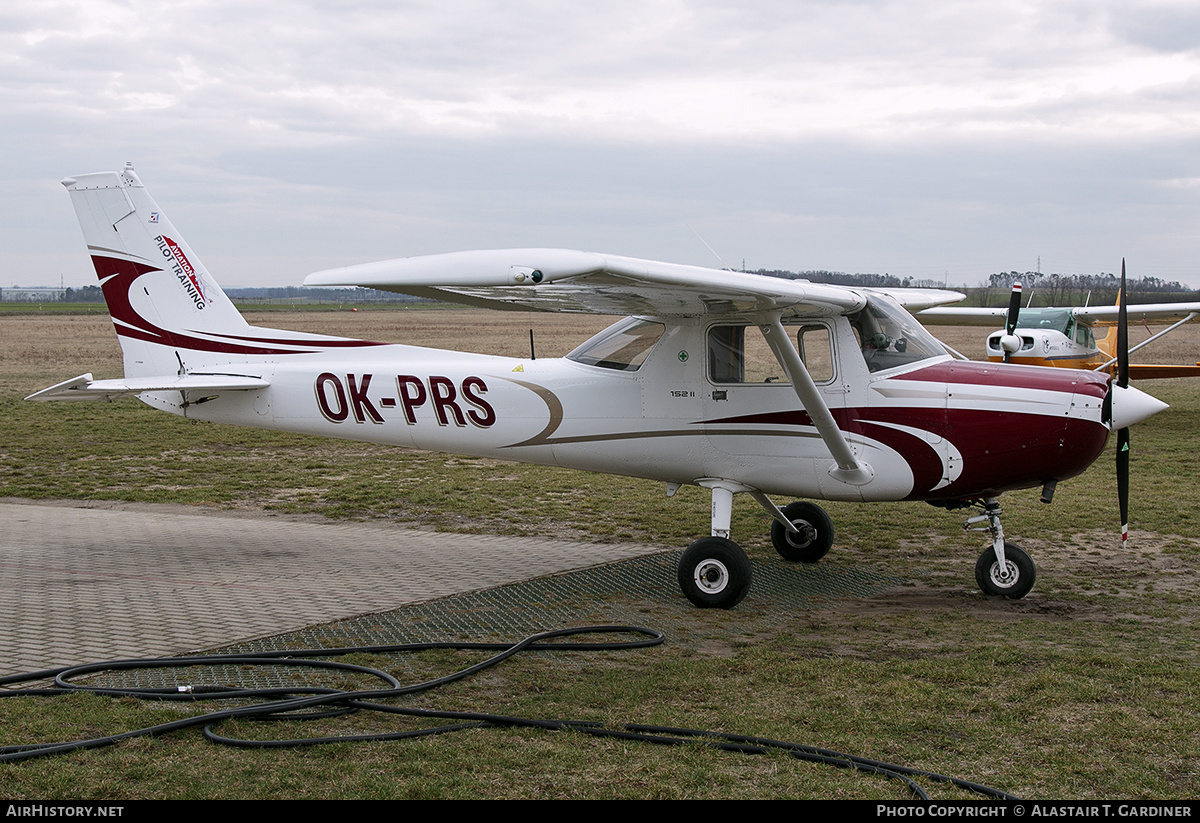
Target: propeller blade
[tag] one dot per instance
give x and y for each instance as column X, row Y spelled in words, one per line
column 1123, row 433
column 1123, row 481
column 1010, row 344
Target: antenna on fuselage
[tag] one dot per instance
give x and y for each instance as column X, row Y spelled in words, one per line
column 710, row 248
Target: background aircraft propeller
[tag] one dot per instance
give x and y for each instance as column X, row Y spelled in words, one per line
column 1010, row 342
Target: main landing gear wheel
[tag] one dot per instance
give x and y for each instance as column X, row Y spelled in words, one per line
column 812, row 541
column 1014, row 581
column 714, row 573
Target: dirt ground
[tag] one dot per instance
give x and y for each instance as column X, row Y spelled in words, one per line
column 37, row 351
column 1154, row 563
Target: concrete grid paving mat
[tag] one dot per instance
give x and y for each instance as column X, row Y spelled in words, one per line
column 88, row 584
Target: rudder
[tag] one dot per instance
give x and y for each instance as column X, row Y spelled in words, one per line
column 166, row 307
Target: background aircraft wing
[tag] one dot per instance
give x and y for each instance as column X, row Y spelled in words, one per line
column 1094, row 315
column 561, row 280
column 1145, row 312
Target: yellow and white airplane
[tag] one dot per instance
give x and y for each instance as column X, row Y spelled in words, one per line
column 1068, row 337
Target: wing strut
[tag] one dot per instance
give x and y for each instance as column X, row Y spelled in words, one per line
column 849, row 468
column 1165, row 331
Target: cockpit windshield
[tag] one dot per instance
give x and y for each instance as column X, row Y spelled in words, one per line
column 889, row 336
column 623, row 346
column 1058, row 320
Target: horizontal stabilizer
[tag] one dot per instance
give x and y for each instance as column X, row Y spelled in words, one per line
column 84, row 387
column 1140, row 371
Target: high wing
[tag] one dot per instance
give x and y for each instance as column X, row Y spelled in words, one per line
column 920, row 299
column 585, row 282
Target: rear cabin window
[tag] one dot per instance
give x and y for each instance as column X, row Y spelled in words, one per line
column 740, row 354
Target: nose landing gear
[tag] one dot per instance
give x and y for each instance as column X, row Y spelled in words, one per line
column 1004, row 569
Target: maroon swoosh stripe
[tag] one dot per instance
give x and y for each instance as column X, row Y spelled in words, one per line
column 117, row 278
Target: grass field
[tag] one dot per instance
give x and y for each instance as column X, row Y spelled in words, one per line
column 1086, row 689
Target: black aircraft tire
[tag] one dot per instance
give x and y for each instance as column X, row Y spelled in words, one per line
column 815, row 538
column 1021, row 569
column 714, row 573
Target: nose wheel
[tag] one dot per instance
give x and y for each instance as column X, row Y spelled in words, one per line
column 1012, row 579
column 1004, row 569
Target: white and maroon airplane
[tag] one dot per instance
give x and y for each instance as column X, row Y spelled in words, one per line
column 734, row 382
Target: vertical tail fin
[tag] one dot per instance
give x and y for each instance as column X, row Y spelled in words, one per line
column 1108, row 343
column 167, row 309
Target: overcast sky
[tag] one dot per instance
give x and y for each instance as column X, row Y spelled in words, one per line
column 925, row 138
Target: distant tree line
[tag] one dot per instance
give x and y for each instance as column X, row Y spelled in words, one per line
column 1095, row 289
column 841, row 278
column 320, row 295
column 1045, row 289
column 86, row 294
column 93, row 294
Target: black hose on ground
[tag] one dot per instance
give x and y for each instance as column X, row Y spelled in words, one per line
column 311, row 702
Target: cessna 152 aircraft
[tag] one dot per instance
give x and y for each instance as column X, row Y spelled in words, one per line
column 1066, row 337
column 733, row 382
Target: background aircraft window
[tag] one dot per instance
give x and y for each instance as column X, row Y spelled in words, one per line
column 623, row 346
column 740, row 354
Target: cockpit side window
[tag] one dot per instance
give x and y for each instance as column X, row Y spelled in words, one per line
column 623, row 346
column 816, row 350
column 740, row 354
column 1084, row 336
column 727, row 354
